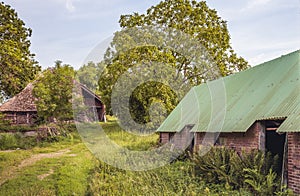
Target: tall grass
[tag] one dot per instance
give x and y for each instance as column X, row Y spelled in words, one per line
column 220, row 172
column 178, row 178
column 175, row 179
column 129, row 140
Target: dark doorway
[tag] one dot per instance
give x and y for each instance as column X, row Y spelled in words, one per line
column 275, row 142
column 192, row 145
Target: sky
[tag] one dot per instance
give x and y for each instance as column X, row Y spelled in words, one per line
column 69, row 30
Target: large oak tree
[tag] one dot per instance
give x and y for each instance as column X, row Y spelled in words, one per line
column 189, row 17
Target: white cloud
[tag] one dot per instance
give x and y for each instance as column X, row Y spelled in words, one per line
column 256, row 3
column 267, row 56
column 259, row 53
column 69, row 5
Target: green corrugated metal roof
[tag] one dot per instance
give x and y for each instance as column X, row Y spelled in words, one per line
column 232, row 104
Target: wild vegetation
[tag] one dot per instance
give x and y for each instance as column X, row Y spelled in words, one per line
column 64, row 166
column 53, row 90
column 60, row 164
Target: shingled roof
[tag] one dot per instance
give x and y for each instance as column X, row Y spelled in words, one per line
column 25, row 101
column 22, row 102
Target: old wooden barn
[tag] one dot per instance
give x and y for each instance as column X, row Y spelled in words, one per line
column 21, row 109
column 255, row 109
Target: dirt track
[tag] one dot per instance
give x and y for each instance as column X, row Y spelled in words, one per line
column 11, row 172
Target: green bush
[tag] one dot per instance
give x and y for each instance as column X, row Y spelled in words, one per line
column 11, row 141
column 253, row 171
column 16, row 139
column 8, row 141
column 17, row 128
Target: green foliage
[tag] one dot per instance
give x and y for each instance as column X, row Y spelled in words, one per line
column 178, row 178
column 17, row 66
column 260, row 184
column 3, row 122
column 196, row 19
column 11, row 141
column 17, row 128
column 284, row 192
column 188, row 17
column 53, row 91
column 36, row 190
column 89, row 75
column 57, row 133
column 253, row 171
column 8, row 141
column 16, row 139
column 175, row 179
column 217, row 167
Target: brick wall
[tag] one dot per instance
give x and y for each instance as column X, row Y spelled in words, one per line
column 183, row 139
column 251, row 139
column 179, row 140
column 247, row 141
column 294, row 162
column 164, row 138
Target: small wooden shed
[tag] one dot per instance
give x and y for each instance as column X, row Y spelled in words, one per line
column 21, row 109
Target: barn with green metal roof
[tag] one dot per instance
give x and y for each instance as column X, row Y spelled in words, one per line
column 254, row 109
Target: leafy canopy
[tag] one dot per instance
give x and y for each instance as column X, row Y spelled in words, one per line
column 53, row 90
column 208, row 34
column 88, row 75
column 17, row 66
column 196, row 19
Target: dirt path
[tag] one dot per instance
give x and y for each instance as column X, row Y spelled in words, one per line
column 11, row 172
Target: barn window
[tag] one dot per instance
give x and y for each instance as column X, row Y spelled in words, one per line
column 21, row 118
column 221, row 141
column 171, row 135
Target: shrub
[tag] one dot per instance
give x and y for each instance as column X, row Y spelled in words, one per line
column 8, row 141
column 253, row 171
column 16, row 139
column 17, row 128
column 11, row 141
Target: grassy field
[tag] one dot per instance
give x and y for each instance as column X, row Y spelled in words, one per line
column 64, row 167
column 67, row 167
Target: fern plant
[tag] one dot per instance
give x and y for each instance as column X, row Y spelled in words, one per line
column 216, row 166
column 254, row 170
column 260, row 184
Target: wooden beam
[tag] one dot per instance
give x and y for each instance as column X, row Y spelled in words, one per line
column 271, row 129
